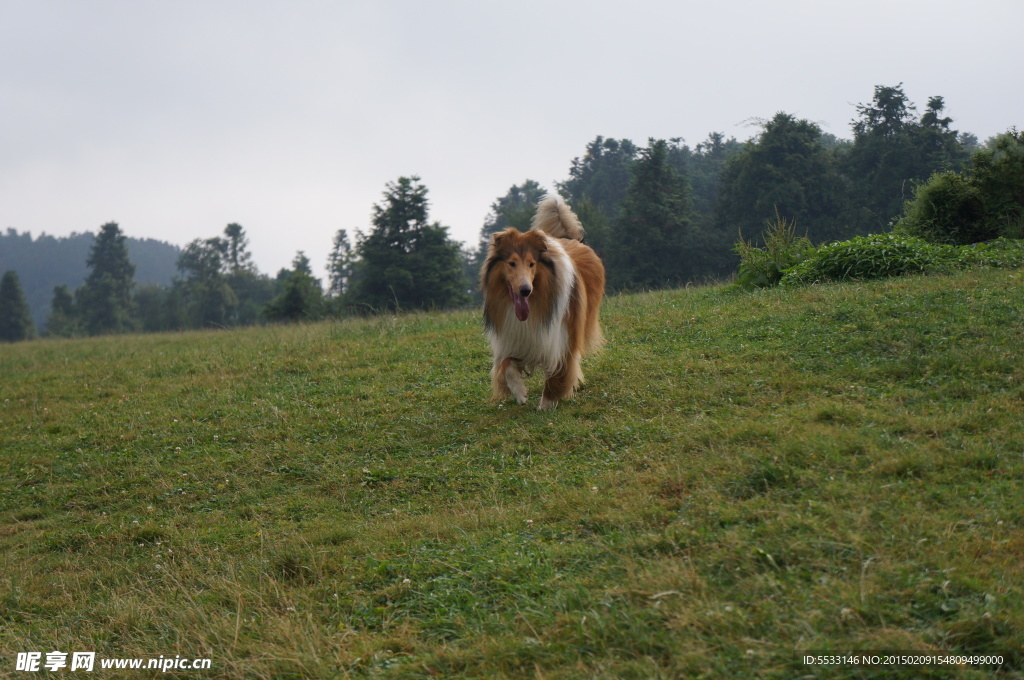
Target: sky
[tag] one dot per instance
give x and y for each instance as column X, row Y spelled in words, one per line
column 174, row 119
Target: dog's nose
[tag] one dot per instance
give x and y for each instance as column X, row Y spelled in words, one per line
column 525, row 291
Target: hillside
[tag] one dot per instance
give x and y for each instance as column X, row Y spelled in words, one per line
column 746, row 476
column 45, row 262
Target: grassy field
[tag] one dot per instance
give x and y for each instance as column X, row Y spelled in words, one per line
column 747, row 476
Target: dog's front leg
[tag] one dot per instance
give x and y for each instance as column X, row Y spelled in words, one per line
column 561, row 384
column 507, row 380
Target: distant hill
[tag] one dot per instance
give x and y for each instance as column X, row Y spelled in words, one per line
column 46, row 262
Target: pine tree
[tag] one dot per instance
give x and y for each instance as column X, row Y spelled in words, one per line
column 595, row 224
column 251, row 289
column 209, row 299
column 104, row 301
column 406, row 262
column 236, row 250
column 601, row 176
column 339, row 265
column 438, row 270
column 15, row 320
column 650, row 237
column 63, row 320
column 515, row 209
column 706, row 166
column 301, row 298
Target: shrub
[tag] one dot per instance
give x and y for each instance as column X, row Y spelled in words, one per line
column 763, row 267
column 1001, row 253
column 871, row 257
column 998, row 172
column 948, row 208
column 981, row 203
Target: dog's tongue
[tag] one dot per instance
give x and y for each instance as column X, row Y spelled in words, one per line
column 522, row 306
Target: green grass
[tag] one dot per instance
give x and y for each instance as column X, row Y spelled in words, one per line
column 746, row 475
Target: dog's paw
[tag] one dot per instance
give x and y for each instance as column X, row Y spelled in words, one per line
column 547, row 404
column 515, row 383
column 518, row 390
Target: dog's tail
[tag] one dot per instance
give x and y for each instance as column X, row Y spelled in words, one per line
column 557, row 219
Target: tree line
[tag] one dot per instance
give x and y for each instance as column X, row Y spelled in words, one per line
column 404, row 262
column 47, row 261
column 667, row 214
column 660, row 215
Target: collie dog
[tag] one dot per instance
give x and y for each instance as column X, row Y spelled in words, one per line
column 542, row 290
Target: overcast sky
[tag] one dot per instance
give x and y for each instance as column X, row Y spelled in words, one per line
column 175, row 118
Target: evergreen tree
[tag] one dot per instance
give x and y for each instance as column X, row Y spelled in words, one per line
column 706, row 166
column 237, row 258
column 15, row 320
column 406, row 262
column 601, row 176
column 439, row 271
column 209, row 299
column 939, row 145
column 301, row 297
column 339, row 265
column 650, row 238
column 595, row 225
column 252, row 290
column 515, row 209
column 63, row 320
column 45, row 262
column 159, row 308
column 104, row 301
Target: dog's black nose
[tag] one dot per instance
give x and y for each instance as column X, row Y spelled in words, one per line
column 525, row 291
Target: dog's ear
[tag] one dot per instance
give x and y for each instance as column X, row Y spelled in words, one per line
column 538, row 241
column 497, row 241
column 502, row 237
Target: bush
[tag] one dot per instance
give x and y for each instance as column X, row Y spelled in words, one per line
column 895, row 254
column 983, row 202
column 998, row 172
column 763, row 267
column 1003, row 253
column 948, row 208
column 871, row 257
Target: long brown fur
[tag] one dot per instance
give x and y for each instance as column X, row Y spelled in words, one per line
column 565, row 282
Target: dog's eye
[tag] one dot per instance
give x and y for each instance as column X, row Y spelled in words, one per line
column 512, row 264
column 532, row 264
